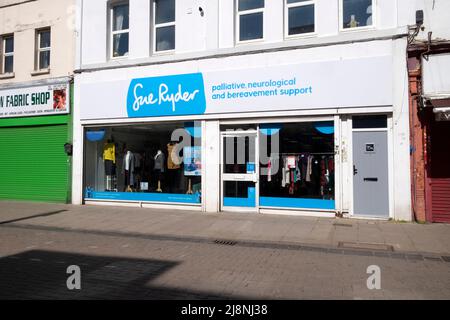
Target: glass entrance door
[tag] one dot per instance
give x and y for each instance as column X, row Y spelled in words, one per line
column 239, row 171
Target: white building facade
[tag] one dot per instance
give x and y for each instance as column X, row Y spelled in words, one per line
column 266, row 106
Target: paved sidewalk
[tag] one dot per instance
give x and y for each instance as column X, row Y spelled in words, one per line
column 240, row 227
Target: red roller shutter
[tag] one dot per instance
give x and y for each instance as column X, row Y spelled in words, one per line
column 440, row 171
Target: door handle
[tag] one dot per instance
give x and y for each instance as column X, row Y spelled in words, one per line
column 355, row 171
column 371, row 179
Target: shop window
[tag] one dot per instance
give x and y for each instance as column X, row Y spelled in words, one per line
column 250, row 19
column 297, row 165
column 119, row 29
column 43, row 49
column 300, row 17
column 164, row 25
column 154, row 163
column 357, row 13
column 7, row 54
column 370, row 122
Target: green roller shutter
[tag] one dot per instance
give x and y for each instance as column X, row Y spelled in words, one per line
column 33, row 164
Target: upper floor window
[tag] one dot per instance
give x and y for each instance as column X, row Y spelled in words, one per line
column 250, row 20
column 357, row 13
column 43, row 49
column 7, row 54
column 120, row 29
column 300, row 17
column 164, row 25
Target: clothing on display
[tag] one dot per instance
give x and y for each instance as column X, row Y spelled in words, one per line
column 128, row 168
column 109, row 152
column 138, row 160
column 110, row 168
column 269, row 170
column 160, row 160
column 306, row 173
column 135, row 159
column 109, row 159
column 173, row 160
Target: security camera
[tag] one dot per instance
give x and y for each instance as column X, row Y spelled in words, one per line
column 419, row 18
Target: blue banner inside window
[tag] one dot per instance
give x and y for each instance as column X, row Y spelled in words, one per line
column 145, row 197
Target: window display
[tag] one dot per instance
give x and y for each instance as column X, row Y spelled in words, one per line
column 144, row 163
column 297, row 165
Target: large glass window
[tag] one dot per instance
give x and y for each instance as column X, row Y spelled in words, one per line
column 250, row 19
column 148, row 163
column 7, row 54
column 357, row 13
column 120, row 25
column 297, row 165
column 43, row 40
column 164, row 25
column 300, row 17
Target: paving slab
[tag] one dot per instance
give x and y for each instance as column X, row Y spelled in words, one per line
column 328, row 232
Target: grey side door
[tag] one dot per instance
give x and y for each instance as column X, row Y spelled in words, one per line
column 370, row 174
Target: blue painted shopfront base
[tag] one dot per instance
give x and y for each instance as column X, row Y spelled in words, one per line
column 249, row 202
column 239, row 202
column 145, row 197
column 299, row 203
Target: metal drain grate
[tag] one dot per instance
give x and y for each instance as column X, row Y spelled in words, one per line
column 342, row 225
column 225, row 242
column 366, row 246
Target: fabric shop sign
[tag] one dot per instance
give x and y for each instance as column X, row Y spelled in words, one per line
column 362, row 82
column 34, row 101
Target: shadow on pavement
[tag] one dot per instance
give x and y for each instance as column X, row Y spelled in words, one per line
column 43, row 275
column 40, row 215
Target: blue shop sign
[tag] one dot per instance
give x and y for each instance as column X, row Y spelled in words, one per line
column 166, row 96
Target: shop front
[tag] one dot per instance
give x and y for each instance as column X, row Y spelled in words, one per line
column 35, row 126
column 267, row 139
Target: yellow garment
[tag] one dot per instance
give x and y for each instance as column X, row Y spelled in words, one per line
column 109, row 152
column 172, row 158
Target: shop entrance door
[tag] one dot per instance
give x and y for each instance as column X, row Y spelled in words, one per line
column 370, row 174
column 239, row 171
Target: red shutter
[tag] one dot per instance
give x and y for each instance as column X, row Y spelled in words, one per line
column 440, row 200
column 440, row 171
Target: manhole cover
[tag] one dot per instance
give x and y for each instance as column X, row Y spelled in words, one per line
column 366, row 246
column 225, row 242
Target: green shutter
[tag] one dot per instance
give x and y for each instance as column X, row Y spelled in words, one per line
column 33, row 164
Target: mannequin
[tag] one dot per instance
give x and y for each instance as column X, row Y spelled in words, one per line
column 128, row 170
column 159, row 167
column 109, row 159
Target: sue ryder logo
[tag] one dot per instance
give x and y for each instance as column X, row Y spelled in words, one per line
column 166, row 96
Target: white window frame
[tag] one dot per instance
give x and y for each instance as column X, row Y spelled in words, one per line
column 112, row 33
column 39, row 49
column 4, row 54
column 287, row 6
column 341, row 18
column 246, row 12
column 162, row 25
